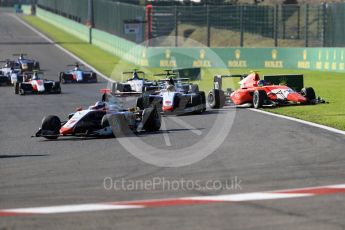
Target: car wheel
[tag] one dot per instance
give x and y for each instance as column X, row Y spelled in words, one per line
column 57, row 87
column 37, row 65
column 94, row 76
column 309, row 94
column 51, row 125
column 21, row 90
column 61, row 78
column 16, row 88
column 151, row 120
column 105, row 122
column 140, row 103
column 259, row 98
column 216, row 99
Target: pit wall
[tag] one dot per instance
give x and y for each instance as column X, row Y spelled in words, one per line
column 323, row 59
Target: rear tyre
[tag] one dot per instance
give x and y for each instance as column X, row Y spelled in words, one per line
column 140, row 103
column 37, row 65
column 21, row 90
column 16, row 88
column 105, row 122
column 259, row 98
column 216, row 99
column 62, row 79
column 94, row 77
column 51, row 127
column 151, row 120
column 57, row 87
column 309, row 94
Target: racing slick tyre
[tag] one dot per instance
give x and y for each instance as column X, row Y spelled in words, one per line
column 37, row 65
column 94, row 77
column 61, row 78
column 151, row 120
column 51, row 127
column 216, row 99
column 57, row 87
column 259, row 98
column 199, row 100
column 193, row 88
column 16, row 88
column 309, row 94
column 119, row 125
column 123, row 87
column 105, row 121
column 21, row 90
column 140, row 103
column 203, row 99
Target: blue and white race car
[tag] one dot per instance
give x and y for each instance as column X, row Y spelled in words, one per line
column 9, row 75
column 77, row 75
column 176, row 96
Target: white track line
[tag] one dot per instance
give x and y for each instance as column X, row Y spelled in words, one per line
column 330, row 129
column 197, row 200
column 61, row 48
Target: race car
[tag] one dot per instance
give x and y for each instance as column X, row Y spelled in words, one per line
column 176, row 96
column 7, row 73
column 257, row 93
column 22, row 63
column 105, row 118
column 34, row 83
column 5, row 78
column 77, row 75
column 136, row 83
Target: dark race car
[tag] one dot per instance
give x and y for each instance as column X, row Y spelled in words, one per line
column 22, row 63
column 106, row 118
column 77, row 75
column 34, row 83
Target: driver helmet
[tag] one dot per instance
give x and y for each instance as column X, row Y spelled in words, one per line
column 171, row 81
column 262, row 83
column 75, row 68
column 99, row 105
column 34, row 76
column 135, row 76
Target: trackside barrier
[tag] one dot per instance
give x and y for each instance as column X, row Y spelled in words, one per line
column 108, row 42
column 70, row 26
column 323, row 59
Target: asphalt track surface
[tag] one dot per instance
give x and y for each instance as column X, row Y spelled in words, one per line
column 264, row 152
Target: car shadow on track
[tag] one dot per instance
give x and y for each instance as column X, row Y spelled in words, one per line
column 21, row 155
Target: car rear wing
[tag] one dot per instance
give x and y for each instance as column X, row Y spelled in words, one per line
column 218, row 79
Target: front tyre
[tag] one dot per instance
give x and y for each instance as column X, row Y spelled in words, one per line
column 16, row 88
column 151, row 120
column 259, row 98
column 216, row 99
column 51, row 127
column 309, row 94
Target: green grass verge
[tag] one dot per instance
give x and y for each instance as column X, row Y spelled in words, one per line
column 328, row 85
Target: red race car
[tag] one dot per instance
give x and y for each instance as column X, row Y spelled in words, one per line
column 257, row 93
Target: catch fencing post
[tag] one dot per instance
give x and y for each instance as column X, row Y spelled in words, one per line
column 276, row 25
column 241, row 25
column 324, row 23
column 208, row 25
column 89, row 22
column 176, row 26
column 306, row 20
